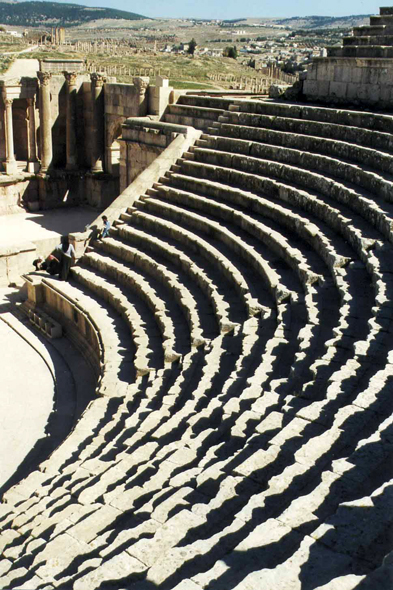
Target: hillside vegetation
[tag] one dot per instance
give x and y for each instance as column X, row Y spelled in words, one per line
column 37, row 14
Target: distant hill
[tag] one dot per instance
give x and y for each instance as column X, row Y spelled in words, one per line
column 306, row 22
column 31, row 14
column 324, row 22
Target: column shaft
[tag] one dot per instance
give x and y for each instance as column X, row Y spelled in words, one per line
column 10, row 165
column 71, row 143
column 97, row 148
column 32, row 163
column 45, row 121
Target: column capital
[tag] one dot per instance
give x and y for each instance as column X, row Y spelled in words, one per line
column 97, row 79
column 8, row 101
column 70, row 78
column 44, row 78
column 141, row 84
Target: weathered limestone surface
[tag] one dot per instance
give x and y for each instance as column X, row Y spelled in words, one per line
column 240, row 315
column 360, row 72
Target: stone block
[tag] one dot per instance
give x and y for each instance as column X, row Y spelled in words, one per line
column 356, row 75
column 352, row 91
column 311, row 73
column 338, row 89
column 310, row 87
column 342, row 74
column 386, row 95
column 162, row 82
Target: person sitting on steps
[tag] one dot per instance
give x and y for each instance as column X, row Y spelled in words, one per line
column 106, row 228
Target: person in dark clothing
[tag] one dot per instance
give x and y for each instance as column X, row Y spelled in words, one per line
column 50, row 264
column 66, row 255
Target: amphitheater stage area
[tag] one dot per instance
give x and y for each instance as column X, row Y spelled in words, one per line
column 39, row 395
column 43, row 228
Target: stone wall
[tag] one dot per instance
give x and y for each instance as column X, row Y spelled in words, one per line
column 351, row 81
column 15, row 194
column 15, row 259
column 143, row 140
column 79, row 327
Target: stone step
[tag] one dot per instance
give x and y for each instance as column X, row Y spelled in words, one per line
column 385, row 19
column 203, row 226
column 134, row 282
column 247, row 125
column 384, row 40
column 327, row 166
column 335, row 191
column 362, row 51
column 347, row 118
column 273, row 240
column 168, row 279
column 376, row 29
column 114, row 296
column 199, row 112
column 199, row 117
column 183, row 119
column 146, row 242
column 363, row 156
column 210, row 102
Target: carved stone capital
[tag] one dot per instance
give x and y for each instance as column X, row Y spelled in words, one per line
column 70, row 78
column 97, row 80
column 8, row 101
column 141, row 84
column 44, row 78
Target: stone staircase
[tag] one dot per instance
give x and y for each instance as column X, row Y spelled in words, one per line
column 242, row 433
column 370, row 41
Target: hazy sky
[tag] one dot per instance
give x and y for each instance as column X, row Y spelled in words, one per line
column 228, row 9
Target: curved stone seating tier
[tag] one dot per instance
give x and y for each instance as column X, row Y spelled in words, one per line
column 213, row 256
column 378, row 160
column 148, row 343
column 241, row 436
column 184, row 198
column 195, row 116
column 379, row 140
column 346, row 118
column 297, row 176
column 324, row 165
column 116, row 349
column 152, row 268
column 248, row 254
column 168, row 318
column 186, row 265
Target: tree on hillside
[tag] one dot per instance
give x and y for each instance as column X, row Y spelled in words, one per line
column 191, row 46
column 230, row 52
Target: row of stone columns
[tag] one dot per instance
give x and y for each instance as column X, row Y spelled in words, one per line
column 96, row 144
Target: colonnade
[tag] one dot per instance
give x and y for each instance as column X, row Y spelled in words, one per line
column 96, row 140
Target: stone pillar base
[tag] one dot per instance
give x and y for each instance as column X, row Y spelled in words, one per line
column 11, row 167
column 33, row 167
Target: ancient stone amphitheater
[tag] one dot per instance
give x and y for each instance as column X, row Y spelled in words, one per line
column 242, row 433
